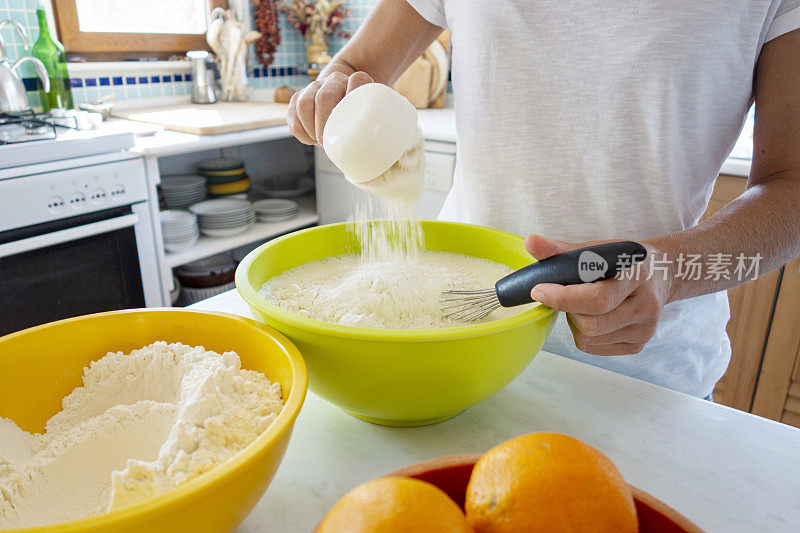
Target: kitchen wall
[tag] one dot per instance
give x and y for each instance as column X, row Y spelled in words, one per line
column 136, row 81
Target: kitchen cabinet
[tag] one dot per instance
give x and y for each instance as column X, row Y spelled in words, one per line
column 764, row 374
column 778, row 393
column 265, row 152
column 752, row 305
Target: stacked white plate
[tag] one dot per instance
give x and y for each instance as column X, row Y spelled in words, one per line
column 224, row 217
column 275, row 210
column 180, row 192
column 179, row 230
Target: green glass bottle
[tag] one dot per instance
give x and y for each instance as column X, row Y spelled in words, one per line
column 51, row 52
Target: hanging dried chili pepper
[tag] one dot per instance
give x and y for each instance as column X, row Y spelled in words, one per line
column 266, row 22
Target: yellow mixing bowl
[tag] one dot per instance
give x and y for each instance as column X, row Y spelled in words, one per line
column 41, row 365
column 401, row 377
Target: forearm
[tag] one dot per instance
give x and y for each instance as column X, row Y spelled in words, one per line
column 762, row 226
column 765, row 220
column 358, row 56
column 388, row 41
column 339, row 64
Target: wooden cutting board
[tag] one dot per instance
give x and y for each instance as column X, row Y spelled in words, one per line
column 211, row 119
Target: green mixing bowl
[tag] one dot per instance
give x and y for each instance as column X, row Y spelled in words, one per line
column 400, row 377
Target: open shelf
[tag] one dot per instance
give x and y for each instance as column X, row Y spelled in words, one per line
column 208, row 246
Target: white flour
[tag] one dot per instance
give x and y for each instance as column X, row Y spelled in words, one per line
column 141, row 424
column 390, row 294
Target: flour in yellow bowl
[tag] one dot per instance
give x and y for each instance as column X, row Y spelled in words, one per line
column 142, row 424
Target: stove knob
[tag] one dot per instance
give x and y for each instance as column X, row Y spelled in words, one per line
column 77, row 201
column 117, row 192
column 55, row 204
column 98, row 196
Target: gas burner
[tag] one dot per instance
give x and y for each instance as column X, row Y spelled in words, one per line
column 28, row 126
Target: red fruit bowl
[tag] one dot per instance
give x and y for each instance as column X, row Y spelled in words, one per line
column 451, row 474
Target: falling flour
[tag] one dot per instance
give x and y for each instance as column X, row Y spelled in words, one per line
column 382, row 294
column 140, row 425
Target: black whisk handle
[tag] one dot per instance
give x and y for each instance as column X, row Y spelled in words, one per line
column 584, row 265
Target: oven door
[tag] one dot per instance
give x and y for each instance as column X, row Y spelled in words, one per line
column 83, row 264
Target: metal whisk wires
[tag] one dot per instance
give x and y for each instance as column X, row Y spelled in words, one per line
column 468, row 306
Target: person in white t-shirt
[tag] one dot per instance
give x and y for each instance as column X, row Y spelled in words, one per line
column 587, row 121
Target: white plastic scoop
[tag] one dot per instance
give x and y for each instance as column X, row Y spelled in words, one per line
column 373, row 133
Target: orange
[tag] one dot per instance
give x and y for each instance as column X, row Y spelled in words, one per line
column 548, row 482
column 393, row 505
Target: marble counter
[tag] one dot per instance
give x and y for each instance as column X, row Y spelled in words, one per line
column 438, row 124
column 724, row 469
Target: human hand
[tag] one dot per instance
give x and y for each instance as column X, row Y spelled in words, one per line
column 310, row 108
column 609, row 317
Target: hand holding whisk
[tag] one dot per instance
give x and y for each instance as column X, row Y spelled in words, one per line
column 584, row 265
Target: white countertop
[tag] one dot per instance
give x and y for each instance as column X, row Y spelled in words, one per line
column 735, row 166
column 437, row 125
column 153, row 140
column 738, row 162
column 724, row 469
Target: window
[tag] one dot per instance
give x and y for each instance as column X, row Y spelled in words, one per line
column 131, row 29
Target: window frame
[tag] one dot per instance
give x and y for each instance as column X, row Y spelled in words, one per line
column 97, row 46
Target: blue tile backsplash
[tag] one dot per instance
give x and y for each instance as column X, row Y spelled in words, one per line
column 285, row 70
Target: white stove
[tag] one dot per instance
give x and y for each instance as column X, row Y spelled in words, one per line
column 76, row 231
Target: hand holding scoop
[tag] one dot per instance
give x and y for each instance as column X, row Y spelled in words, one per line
column 373, row 137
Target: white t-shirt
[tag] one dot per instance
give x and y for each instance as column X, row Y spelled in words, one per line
column 602, row 120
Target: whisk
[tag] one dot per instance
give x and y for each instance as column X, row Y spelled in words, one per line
column 584, row 265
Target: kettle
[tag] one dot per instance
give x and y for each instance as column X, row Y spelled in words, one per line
column 203, row 90
column 13, row 97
